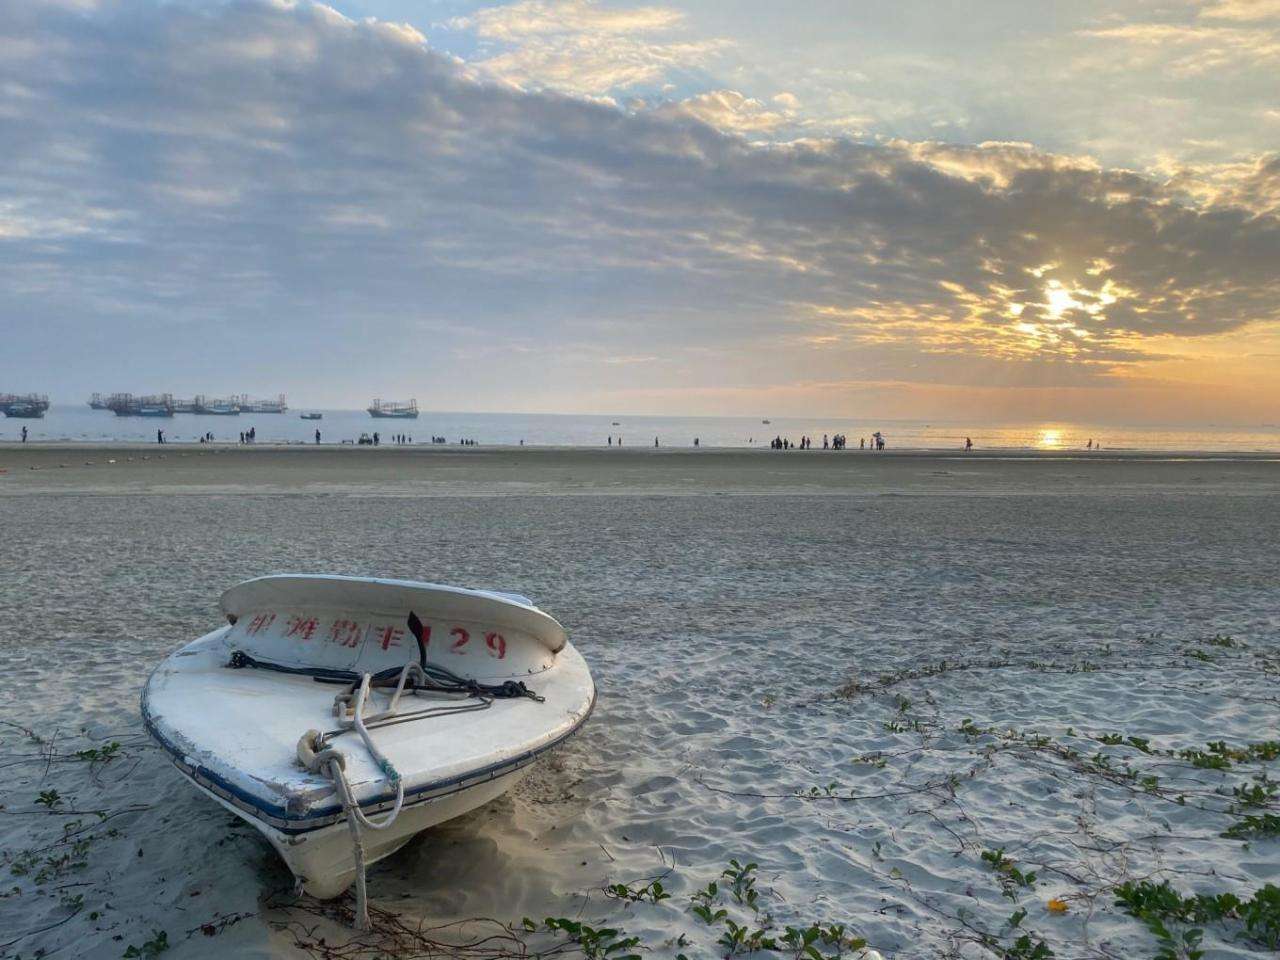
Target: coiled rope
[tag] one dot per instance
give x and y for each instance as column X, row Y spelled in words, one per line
column 315, row 753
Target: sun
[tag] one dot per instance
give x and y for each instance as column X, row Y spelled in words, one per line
column 1058, row 300
column 1049, row 439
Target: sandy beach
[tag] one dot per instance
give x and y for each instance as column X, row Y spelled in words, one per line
column 949, row 701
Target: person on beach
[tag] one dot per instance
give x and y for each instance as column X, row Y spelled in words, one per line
column 655, row 441
column 611, row 440
column 24, row 434
column 159, row 436
column 317, row 437
column 968, row 443
column 695, row 441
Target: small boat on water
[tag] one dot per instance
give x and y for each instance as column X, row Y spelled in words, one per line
column 341, row 716
column 313, row 416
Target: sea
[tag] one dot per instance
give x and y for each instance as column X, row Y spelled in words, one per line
column 78, row 423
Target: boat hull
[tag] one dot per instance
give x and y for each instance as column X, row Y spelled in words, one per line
column 323, row 860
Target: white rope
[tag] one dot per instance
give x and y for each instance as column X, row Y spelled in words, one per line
column 357, row 721
column 317, row 758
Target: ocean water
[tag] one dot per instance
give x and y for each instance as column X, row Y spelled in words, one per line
column 81, row 424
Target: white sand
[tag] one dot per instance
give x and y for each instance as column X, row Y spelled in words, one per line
column 718, row 629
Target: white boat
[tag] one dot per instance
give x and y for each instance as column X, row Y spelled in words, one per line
column 487, row 684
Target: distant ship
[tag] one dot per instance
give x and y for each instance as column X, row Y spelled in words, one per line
column 264, row 406
column 97, row 403
column 313, row 416
column 766, row 421
column 30, row 406
column 217, row 408
column 184, row 406
column 127, row 405
column 393, row 409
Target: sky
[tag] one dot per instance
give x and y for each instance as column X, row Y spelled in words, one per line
column 995, row 210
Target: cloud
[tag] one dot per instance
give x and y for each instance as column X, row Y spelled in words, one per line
column 582, row 47
column 1190, row 50
column 732, row 111
column 271, row 187
column 1242, row 10
column 1249, row 184
column 530, row 18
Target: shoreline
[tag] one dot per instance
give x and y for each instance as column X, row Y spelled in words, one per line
column 441, row 470
column 1018, row 453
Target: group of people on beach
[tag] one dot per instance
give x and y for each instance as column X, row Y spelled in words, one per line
column 837, row 442
column 249, row 436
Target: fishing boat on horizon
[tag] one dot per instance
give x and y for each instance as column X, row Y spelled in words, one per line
column 433, row 700
column 264, row 406
column 217, row 408
column 408, row 410
column 153, row 405
column 97, row 402
column 28, row 406
column 312, row 416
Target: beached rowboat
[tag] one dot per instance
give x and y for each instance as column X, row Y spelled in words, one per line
column 341, row 716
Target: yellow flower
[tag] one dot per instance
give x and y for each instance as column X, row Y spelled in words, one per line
column 1057, row 906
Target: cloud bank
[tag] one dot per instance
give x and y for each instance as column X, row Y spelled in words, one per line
column 273, row 186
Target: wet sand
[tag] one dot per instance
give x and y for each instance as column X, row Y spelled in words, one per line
column 454, row 471
column 861, row 691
